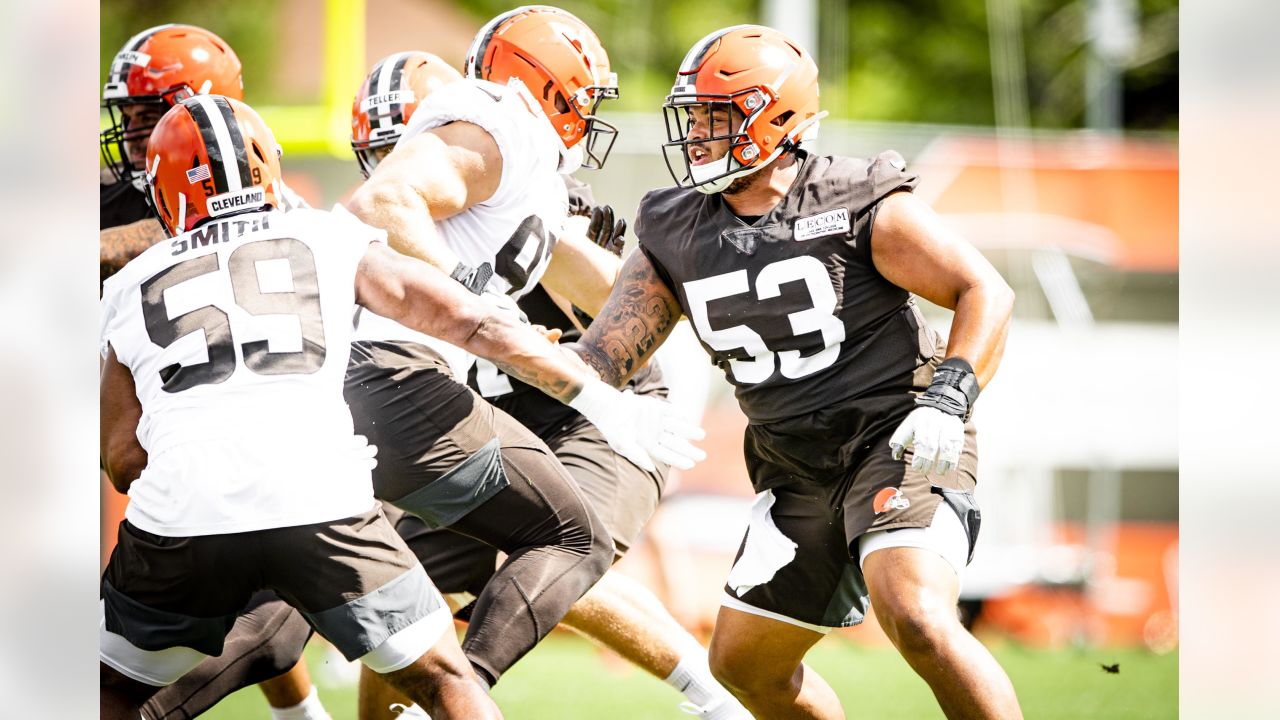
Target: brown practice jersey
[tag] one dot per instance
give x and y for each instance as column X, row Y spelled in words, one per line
column 791, row 307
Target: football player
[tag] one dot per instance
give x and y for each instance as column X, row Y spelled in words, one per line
column 474, row 186
column 445, row 452
column 798, row 273
column 154, row 69
column 239, row 456
column 618, row 612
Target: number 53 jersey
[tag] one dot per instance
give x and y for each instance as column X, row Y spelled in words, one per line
column 791, row 308
column 237, row 335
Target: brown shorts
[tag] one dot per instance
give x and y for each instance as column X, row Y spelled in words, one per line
column 353, row 579
column 438, row 440
column 827, row 494
column 622, row 494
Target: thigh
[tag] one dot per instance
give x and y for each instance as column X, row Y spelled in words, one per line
column 159, row 592
column 741, row 639
column 456, row 563
column 621, row 493
column 541, row 506
column 354, row 579
column 167, row 603
column 794, row 564
column 886, row 494
column 423, row 422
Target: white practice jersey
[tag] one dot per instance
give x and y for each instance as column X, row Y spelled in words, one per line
column 515, row 229
column 238, row 335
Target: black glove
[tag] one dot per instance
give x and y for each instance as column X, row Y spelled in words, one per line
column 604, row 232
column 473, row 278
column 953, row 390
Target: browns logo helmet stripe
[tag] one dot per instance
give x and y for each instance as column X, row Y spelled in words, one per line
column 388, row 97
column 120, row 65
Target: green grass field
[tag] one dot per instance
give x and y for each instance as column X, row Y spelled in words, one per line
column 568, row 679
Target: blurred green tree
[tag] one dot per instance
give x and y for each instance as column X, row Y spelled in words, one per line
column 881, row 60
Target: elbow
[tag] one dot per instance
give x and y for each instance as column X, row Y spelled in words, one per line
column 123, row 465
column 376, row 199
column 1003, row 299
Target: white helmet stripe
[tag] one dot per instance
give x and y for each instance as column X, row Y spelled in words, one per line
column 226, row 148
column 386, row 72
column 119, row 67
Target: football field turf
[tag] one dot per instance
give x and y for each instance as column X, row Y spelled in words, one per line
column 566, row 678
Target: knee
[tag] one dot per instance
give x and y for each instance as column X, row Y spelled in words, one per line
column 283, row 650
column 434, row 674
column 602, row 551
column 726, row 670
column 918, row 628
column 596, row 548
column 745, row 674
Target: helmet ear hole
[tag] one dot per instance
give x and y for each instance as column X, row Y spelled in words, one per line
column 783, row 118
column 562, row 105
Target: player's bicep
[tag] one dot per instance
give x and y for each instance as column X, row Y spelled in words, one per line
column 913, row 249
column 580, row 270
column 119, row 413
column 445, row 170
column 638, row 316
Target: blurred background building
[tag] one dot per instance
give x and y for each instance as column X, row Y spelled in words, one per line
column 1045, row 131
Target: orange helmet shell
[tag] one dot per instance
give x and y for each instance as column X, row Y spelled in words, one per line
column 210, row 156
column 161, row 66
column 558, row 58
column 162, row 59
column 770, row 79
column 388, row 97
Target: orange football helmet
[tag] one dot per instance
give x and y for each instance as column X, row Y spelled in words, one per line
column 769, row 79
column 160, row 66
column 210, row 156
column 387, row 98
column 565, row 68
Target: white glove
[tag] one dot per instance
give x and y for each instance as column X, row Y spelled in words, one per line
column 641, row 429
column 935, row 435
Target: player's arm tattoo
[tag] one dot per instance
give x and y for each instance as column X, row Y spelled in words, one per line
column 639, row 314
column 558, row 388
column 513, row 348
column 118, row 245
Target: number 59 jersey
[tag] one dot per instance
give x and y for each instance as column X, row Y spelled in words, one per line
column 237, row 335
column 791, row 308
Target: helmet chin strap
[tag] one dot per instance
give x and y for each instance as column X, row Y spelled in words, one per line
column 808, row 130
column 570, row 158
column 721, row 184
